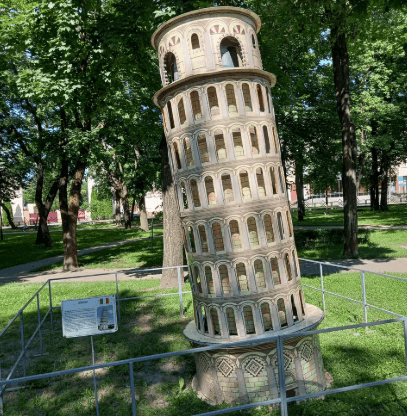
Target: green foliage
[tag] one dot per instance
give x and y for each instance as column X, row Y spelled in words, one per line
column 5, row 219
column 181, row 384
column 101, row 208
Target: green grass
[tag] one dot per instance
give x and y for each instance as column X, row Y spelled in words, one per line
column 20, row 248
column 351, row 357
column 311, row 244
column 133, row 255
column 84, row 226
column 397, row 215
column 328, row 244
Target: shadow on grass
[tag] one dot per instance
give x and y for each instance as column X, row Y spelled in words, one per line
column 395, row 216
column 373, row 244
column 28, row 251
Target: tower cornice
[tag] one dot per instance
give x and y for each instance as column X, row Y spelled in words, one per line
column 224, row 74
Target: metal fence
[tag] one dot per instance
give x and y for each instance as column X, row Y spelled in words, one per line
column 279, row 339
column 320, row 265
column 47, row 287
column 336, row 200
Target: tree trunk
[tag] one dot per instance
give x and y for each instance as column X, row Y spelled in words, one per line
column 117, row 208
column 340, row 59
column 69, row 212
column 173, row 241
column 299, row 186
column 1, row 222
column 143, row 214
column 375, row 168
column 374, row 182
column 133, row 204
column 372, row 191
column 43, row 235
column 326, row 199
column 9, row 216
column 126, row 208
column 385, row 182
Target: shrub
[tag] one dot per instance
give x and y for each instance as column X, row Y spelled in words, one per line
column 5, row 219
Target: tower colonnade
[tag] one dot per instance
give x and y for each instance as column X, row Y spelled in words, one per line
column 225, row 158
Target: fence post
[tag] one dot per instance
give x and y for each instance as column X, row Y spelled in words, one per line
column 1, row 393
column 405, row 338
column 94, row 378
column 23, row 343
column 50, row 305
column 181, row 306
column 133, row 393
column 322, row 285
column 39, row 320
column 117, row 296
column 362, row 275
column 281, row 377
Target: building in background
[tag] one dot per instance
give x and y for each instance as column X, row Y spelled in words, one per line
column 400, row 184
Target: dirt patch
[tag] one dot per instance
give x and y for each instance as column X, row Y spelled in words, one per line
column 99, row 372
column 172, row 367
column 143, row 322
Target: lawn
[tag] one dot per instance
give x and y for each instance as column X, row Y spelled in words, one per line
column 397, row 215
column 82, row 226
column 328, row 244
column 147, row 253
column 150, row 326
column 20, row 248
column 311, row 244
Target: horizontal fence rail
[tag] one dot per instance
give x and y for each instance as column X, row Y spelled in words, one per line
column 49, row 313
column 363, row 286
column 278, row 339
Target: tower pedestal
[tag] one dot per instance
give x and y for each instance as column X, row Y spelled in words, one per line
column 250, row 374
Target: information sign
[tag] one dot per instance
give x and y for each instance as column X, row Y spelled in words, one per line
column 89, row 316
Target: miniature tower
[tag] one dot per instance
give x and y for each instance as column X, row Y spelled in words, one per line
column 221, row 132
column 104, row 320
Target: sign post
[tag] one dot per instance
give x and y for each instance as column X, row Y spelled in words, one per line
column 88, row 317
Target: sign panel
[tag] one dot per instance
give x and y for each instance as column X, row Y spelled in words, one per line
column 89, row 316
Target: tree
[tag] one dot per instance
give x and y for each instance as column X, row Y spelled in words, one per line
column 12, row 177
column 173, row 241
column 378, row 70
column 334, row 24
column 77, row 55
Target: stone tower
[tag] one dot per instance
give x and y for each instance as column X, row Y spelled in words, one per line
column 224, row 150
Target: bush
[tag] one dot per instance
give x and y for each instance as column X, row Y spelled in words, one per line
column 100, row 208
column 5, row 219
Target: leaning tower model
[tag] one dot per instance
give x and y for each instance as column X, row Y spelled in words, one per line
column 225, row 155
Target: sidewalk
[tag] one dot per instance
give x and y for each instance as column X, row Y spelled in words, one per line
column 337, row 227
column 384, row 265
column 17, row 273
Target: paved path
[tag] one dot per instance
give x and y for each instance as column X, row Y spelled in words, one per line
column 296, row 227
column 337, row 227
column 389, row 266
column 386, row 265
column 23, row 272
column 16, row 273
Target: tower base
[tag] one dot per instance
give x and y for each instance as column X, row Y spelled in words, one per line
column 250, row 374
